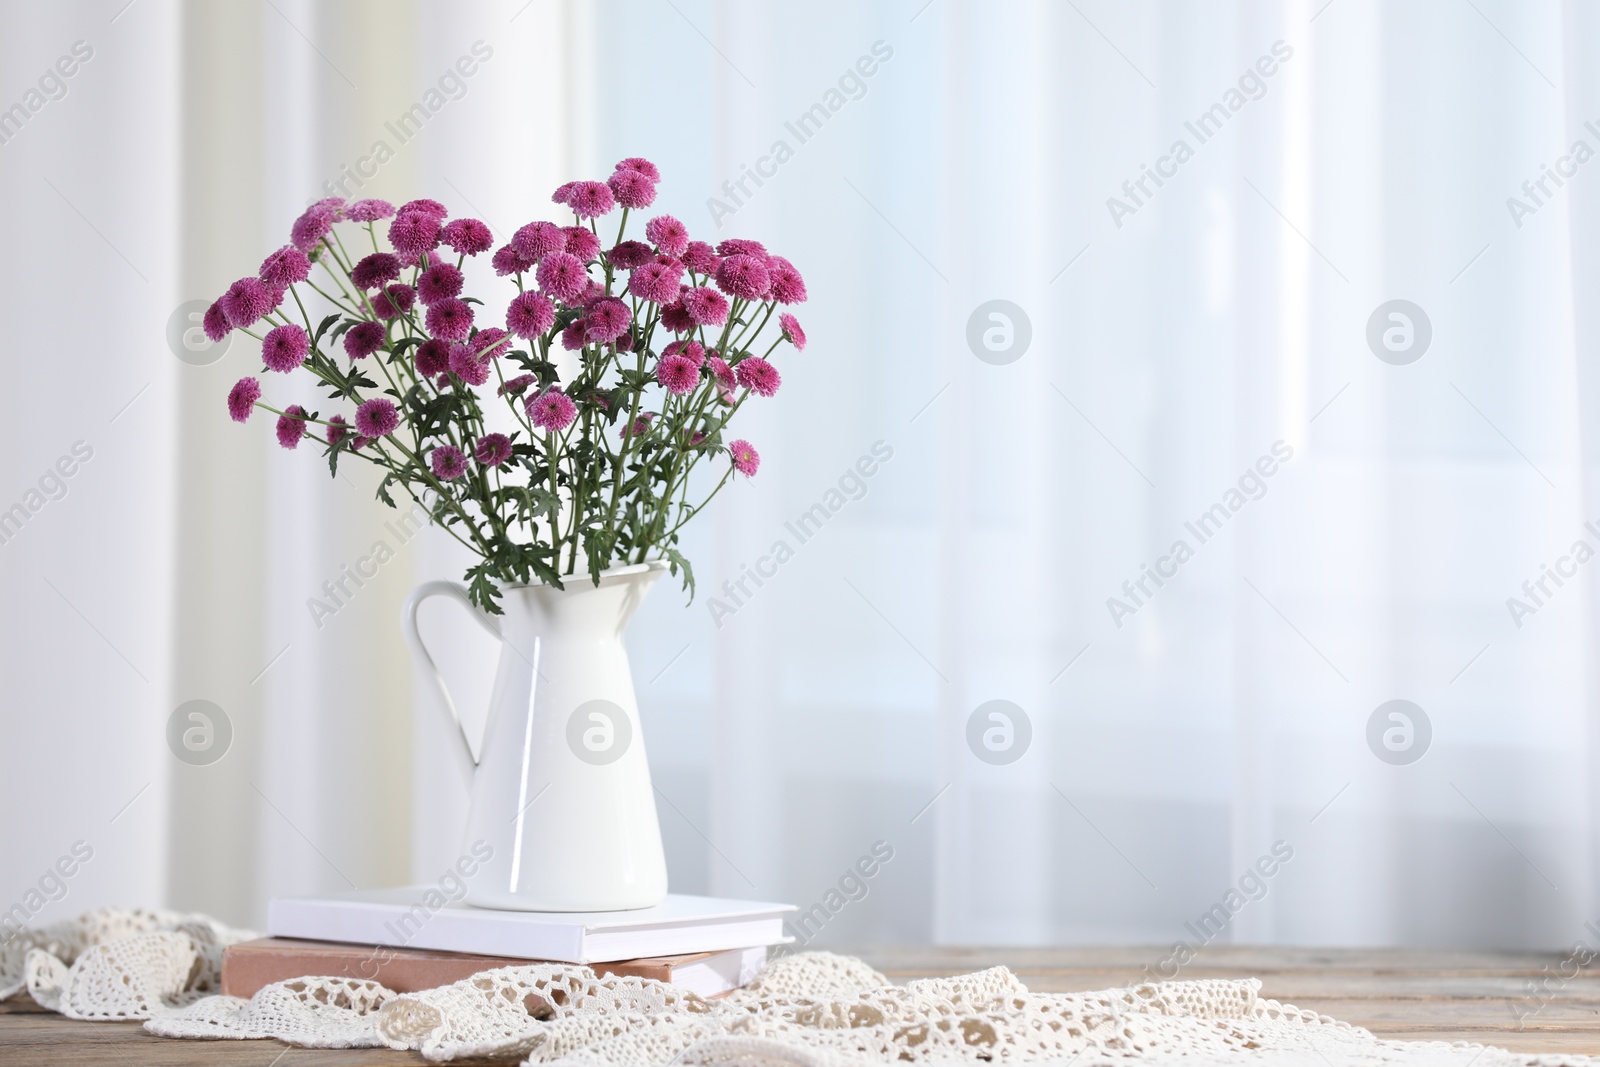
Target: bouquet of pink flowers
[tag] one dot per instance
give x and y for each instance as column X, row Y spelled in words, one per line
column 665, row 336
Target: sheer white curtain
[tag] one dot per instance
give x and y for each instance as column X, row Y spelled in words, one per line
column 88, row 438
column 1365, row 157
column 1203, row 329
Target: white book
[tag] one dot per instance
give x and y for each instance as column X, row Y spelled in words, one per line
column 419, row 917
column 721, row 972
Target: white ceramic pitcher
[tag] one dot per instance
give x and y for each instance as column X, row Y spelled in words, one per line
column 561, row 791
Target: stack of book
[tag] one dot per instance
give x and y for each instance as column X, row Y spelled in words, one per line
column 410, row 939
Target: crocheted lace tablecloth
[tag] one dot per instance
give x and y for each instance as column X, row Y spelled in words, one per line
column 811, row 1009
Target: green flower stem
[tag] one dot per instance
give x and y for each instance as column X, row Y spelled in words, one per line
column 348, row 264
column 303, row 314
column 335, row 301
column 753, row 334
column 349, row 302
column 622, row 452
column 674, row 531
column 516, row 408
column 690, row 457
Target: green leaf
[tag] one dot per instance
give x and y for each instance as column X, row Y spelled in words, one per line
column 676, row 559
column 541, row 501
column 481, row 590
column 323, row 326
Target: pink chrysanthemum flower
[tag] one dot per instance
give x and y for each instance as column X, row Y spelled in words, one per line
column 377, row 417
column 676, row 318
column 285, row 267
column 606, row 320
column 490, row 343
column 440, row 282
column 692, row 349
column 538, row 239
column 246, row 301
column 507, row 260
column 433, row 358
column 369, row 210
column 742, row 275
column 722, row 373
column 562, row 275
column 291, row 426
column 590, row 200
column 450, row 320
column 700, row 257
column 572, row 336
column 372, row 271
column 553, row 411
column 668, row 234
column 426, row 207
column 632, row 189
column 465, row 364
column 792, row 331
column 630, row 254
column 312, row 226
column 581, row 242
column 530, row 314
column 396, row 299
column 467, row 236
column 337, row 430
column 242, row 398
column 448, row 463
column 787, row 285
column 642, row 166
column 738, row 246
column 516, row 386
column 678, row 374
column 493, row 449
column 285, row 348
column 363, row 339
column 656, row 282
column 215, row 322
column 414, row 232
column 758, row 376
column 639, row 426
column 746, row 460
column 563, row 192
column 706, row 307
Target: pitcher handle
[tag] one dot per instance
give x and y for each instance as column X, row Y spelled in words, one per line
column 419, row 652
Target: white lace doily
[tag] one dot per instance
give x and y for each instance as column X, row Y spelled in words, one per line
column 813, row 1009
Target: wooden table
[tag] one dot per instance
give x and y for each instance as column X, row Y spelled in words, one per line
column 1402, row 993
